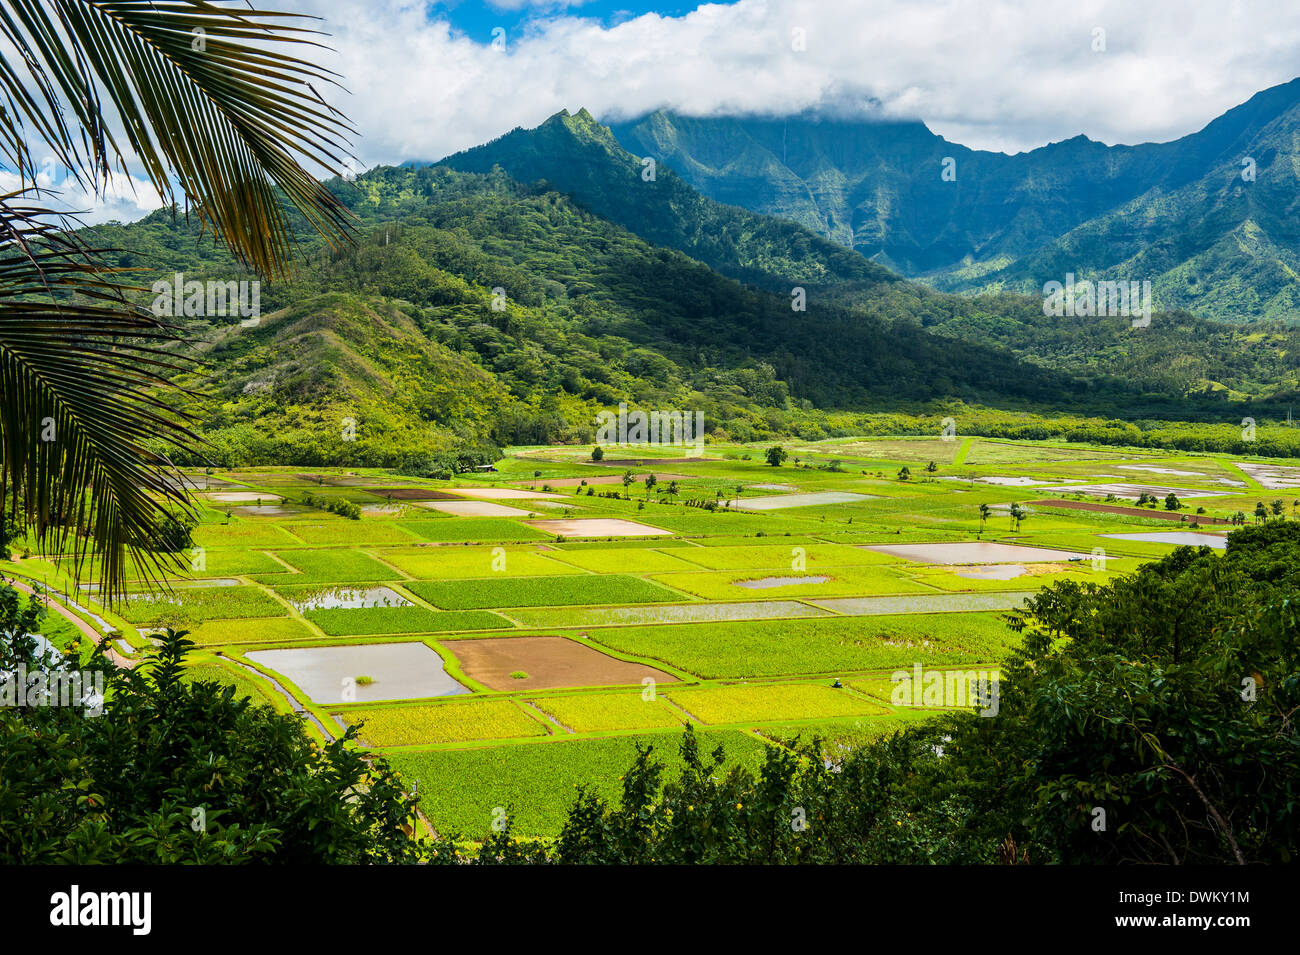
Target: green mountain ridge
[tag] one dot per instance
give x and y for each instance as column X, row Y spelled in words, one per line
column 1179, row 214
column 1177, row 355
column 477, row 310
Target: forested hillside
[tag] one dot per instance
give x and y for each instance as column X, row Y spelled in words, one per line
column 476, row 311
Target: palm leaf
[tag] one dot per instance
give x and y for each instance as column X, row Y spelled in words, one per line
column 80, row 416
column 202, row 95
column 208, row 100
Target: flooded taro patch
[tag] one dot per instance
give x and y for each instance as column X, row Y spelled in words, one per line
column 348, row 598
column 812, row 499
column 474, row 509
column 371, row 672
column 1180, row 538
column 973, row 552
column 598, row 527
column 767, row 583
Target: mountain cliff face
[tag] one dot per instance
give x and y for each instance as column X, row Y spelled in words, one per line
column 580, row 157
column 1179, row 214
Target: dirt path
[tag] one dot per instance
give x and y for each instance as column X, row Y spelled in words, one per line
column 94, row 635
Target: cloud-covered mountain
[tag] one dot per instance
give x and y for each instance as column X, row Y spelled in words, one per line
column 1211, row 219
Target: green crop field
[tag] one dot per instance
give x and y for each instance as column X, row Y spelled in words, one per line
column 443, row 723
column 541, row 592
column 596, row 712
column 773, row 701
column 190, row 605
column 464, row 563
column 335, row 564
column 250, row 630
column 464, row 790
column 368, row 620
column 625, row 560
column 661, row 630
column 340, row 531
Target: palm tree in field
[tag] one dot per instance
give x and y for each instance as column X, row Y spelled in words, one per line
column 1017, row 514
column 984, row 516
column 209, row 102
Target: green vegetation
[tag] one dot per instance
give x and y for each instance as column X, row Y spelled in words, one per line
column 531, row 786
column 823, row 645
column 823, row 678
column 335, row 564
column 136, row 785
column 603, row 712
column 540, row 591
column 443, row 723
column 770, row 701
column 1104, row 210
column 367, row 620
column 192, row 605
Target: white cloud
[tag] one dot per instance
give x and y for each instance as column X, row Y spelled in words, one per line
column 996, row 74
column 1001, row 74
column 124, row 199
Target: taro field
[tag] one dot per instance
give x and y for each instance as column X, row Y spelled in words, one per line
column 505, row 637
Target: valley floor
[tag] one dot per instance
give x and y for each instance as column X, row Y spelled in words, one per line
column 506, row 637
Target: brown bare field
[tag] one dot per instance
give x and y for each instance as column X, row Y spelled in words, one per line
column 550, row 662
column 412, row 494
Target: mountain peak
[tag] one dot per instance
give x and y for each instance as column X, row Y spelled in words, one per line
column 582, row 126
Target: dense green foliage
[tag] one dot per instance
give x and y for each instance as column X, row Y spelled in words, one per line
column 477, row 312
column 184, row 771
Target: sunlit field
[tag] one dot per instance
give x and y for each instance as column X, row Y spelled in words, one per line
column 545, row 658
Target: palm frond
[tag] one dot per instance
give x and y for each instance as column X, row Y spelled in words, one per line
column 210, row 100
column 80, row 375
column 202, row 95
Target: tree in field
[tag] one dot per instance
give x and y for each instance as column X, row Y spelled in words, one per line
column 775, row 455
column 650, row 482
column 673, row 489
column 904, row 473
column 1171, row 502
column 932, row 468
column 1017, row 514
column 1261, row 512
column 628, row 478
column 213, row 108
column 1278, row 508
column 597, row 453
column 984, row 516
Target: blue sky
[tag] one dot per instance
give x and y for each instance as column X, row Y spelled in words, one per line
column 476, row 19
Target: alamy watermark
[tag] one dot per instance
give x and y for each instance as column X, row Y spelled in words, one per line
column 680, row 428
column 1098, row 299
column 211, row 299
column 31, row 688
column 947, row 688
